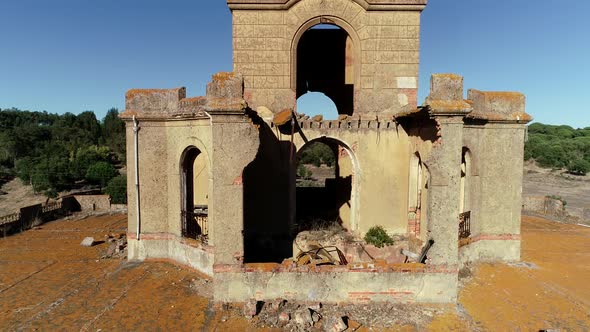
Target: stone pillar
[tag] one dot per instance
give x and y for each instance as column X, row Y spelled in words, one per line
column 235, row 145
column 444, row 163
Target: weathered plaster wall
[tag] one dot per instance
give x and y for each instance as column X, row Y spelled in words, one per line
column 491, row 249
column 165, row 246
column 181, row 135
column 501, row 170
column 380, row 176
column 337, row 287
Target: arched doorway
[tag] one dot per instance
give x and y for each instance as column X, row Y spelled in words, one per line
column 194, row 184
column 464, row 202
column 324, row 61
column 325, row 187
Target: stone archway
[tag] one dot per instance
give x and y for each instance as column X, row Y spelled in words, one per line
column 334, row 70
column 194, row 189
column 342, row 190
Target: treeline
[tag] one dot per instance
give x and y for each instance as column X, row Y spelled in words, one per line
column 317, row 154
column 559, row 147
column 55, row 152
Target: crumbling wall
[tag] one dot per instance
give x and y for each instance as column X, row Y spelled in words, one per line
column 342, row 285
column 94, row 202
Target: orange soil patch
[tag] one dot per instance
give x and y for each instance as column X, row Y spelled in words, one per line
column 49, row 282
column 556, row 295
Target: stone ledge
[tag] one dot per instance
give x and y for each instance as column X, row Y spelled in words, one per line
column 414, row 5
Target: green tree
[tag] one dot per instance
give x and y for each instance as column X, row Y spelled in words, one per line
column 114, row 131
column 117, row 189
column 87, row 122
column 579, row 167
column 100, row 173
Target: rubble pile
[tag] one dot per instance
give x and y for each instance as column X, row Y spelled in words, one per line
column 117, row 246
column 295, row 317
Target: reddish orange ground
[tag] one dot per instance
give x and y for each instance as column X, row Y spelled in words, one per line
column 49, row 282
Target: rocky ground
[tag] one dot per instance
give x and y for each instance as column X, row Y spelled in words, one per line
column 48, row 281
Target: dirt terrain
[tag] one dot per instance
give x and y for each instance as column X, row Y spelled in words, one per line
column 17, row 196
column 49, row 282
column 575, row 190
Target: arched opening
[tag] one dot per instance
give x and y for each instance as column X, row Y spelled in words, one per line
column 317, row 103
column 325, row 63
column 415, row 195
column 194, row 183
column 464, row 204
column 324, row 185
column 464, row 196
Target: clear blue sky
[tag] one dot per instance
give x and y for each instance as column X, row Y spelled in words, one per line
column 77, row 55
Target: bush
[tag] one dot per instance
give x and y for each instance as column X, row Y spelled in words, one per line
column 100, row 173
column 559, row 198
column 378, row 237
column 303, row 172
column 579, row 167
column 117, row 189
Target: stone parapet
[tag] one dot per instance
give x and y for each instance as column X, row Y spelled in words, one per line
column 498, row 106
column 152, row 102
column 224, row 93
column 366, row 4
column 446, row 95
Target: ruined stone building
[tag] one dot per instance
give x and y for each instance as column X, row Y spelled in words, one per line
column 212, row 180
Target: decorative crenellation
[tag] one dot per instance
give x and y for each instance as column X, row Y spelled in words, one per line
column 348, row 124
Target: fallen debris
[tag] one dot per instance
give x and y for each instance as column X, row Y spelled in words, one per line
column 117, row 246
column 87, row 242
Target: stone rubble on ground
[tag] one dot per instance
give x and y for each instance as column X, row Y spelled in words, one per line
column 117, row 246
column 295, row 317
column 335, row 324
column 87, row 242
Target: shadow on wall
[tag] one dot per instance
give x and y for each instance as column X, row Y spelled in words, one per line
column 268, row 184
column 322, row 203
column 420, row 125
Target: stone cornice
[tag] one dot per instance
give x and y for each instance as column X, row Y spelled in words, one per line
column 413, row 5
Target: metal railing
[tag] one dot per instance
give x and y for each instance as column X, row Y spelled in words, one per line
column 464, row 225
column 195, row 223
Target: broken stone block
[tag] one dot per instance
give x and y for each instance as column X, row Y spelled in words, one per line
column 315, row 307
column 87, row 242
column 284, row 317
column 277, row 305
column 446, row 87
column 315, row 316
column 335, row 324
column 318, row 118
column 250, row 308
column 303, row 318
column 225, row 85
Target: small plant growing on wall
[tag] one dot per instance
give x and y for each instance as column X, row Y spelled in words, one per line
column 378, row 237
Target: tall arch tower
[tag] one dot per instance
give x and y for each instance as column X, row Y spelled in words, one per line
column 367, row 63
